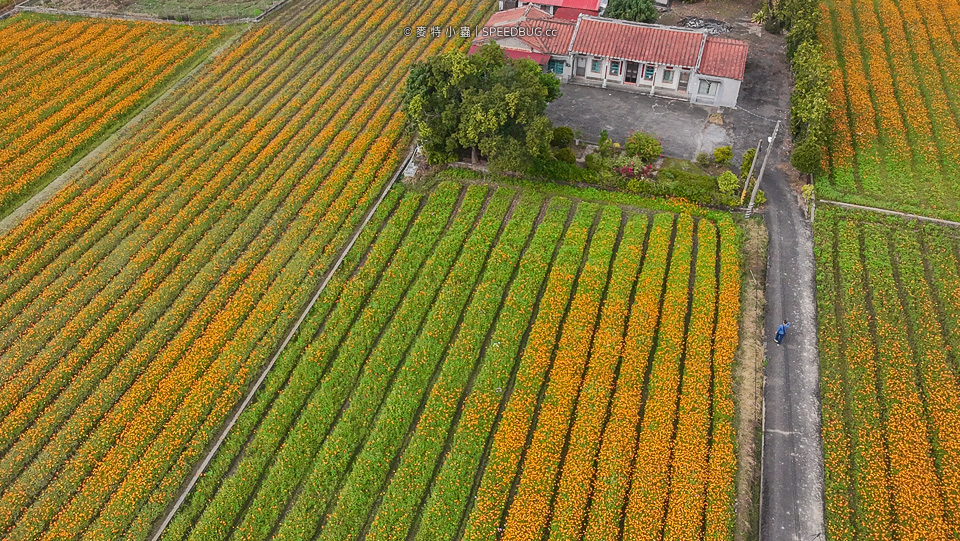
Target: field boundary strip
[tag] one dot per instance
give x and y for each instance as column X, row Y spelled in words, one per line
column 17, row 215
column 851, row 206
column 24, row 8
column 199, row 470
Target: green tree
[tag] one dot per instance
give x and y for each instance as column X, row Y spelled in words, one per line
column 644, row 146
column 485, row 102
column 722, row 155
column 728, row 183
column 641, row 11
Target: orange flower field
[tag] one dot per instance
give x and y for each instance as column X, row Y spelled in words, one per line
column 139, row 303
column 889, row 319
column 497, row 363
column 66, row 83
column 895, row 94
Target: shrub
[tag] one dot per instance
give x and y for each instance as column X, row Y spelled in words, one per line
column 806, row 156
column 703, row 159
column 459, row 173
column 761, row 198
column 605, row 145
column 747, row 161
column 635, row 185
column 641, row 11
column 643, row 146
column 728, row 183
column 593, row 162
column 565, row 155
column 562, row 171
column 722, row 155
column 562, row 137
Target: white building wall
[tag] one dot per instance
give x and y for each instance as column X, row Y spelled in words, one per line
column 726, row 95
column 567, row 67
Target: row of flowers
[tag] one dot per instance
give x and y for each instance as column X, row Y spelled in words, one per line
column 891, row 461
column 461, row 363
column 618, row 444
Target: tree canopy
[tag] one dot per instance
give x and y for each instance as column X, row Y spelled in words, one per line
column 641, row 11
column 485, row 102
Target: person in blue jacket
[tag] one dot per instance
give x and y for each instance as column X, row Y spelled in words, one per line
column 782, row 331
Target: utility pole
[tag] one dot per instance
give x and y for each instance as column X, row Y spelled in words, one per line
column 756, row 187
column 746, row 183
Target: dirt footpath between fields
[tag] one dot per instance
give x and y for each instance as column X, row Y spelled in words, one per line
column 748, row 379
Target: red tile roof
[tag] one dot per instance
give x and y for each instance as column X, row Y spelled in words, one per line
column 586, row 5
column 542, row 33
column 598, row 36
column 723, row 58
column 539, row 58
column 637, row 42
column 573, row 13
column 516, row 15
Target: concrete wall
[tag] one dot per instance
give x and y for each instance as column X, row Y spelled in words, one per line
column 567, row 67
column 726, row 95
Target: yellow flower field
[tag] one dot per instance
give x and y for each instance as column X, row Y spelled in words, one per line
column 64, row 83
column 479, row 371
column 889, row 326
column 895, row 95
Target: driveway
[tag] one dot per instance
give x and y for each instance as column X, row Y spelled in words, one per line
column 684, row 128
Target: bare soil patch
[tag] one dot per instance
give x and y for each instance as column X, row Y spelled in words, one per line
column 748, row 379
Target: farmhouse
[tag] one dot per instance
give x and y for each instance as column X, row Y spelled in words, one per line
column 562, row 9
column 659, row 60
column 530, row 32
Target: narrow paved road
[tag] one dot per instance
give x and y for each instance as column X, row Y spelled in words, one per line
column 792, row 487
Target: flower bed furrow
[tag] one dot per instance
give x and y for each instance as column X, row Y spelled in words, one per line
column 573, row 492
column 689, row 469
column 323, row 411
column 447, row 500
column 618, row 445
column 646, row 500
column 375, row 239
column 720, row 513
column 361, row 441
column 33, row 146
column 485, row 512
column 870, row 461
column 432, row 362
column 840, row 507
column 527, row 517
column 355, row 329
column 403, row 491
column 938, row 382
column 915, row 488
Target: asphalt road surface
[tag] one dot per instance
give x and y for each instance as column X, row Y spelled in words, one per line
column 791, row 507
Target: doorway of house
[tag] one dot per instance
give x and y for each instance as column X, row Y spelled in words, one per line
column 630, row 75
column 684, row 80
column 581, row 66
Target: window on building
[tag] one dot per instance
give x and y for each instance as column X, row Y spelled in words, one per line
column 708, row 87
column 648, row 72
column 615, row 68
column 595, row 65
column 668, row 74
column 555, row 66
